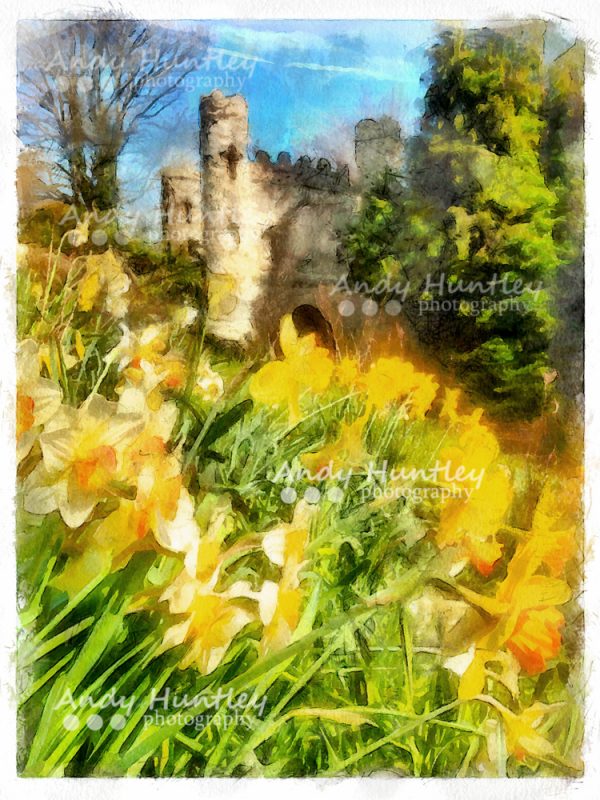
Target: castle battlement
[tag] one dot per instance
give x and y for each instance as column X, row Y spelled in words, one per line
column 311, row 173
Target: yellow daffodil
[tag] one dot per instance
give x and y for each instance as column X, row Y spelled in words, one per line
column 391, row 379
column 38, row 399
column 527, row 621
column 148, row 344
column 346, row 372
column 388, row 379
column 305, row 367
column 524, row 615
column 553, row 534
column 423, row 394
column 82, row 457
column 212, row 618
column 104, row 275
column 346, row 452
column 212, row 621
column 141, row 355
column 477, row 449
column 522, row 738
column 471, row 523
column 162, row 507
column 450, row 405
column 280, row 603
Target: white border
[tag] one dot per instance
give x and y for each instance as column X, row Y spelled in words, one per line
column 584, row 20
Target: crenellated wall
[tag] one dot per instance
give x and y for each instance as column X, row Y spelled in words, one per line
column 270, row 229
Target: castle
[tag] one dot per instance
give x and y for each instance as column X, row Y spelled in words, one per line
column 270, row 231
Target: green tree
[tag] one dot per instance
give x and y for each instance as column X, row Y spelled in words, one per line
column 562, row 151
column 86, row 86
column 478, row 225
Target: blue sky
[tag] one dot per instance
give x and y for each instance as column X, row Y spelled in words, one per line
column 306, row 83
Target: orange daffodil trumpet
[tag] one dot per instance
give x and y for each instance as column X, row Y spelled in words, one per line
column 82, row 458
column 38, row 399
column 523, row 615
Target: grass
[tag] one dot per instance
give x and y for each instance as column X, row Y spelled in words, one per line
column 353, row 676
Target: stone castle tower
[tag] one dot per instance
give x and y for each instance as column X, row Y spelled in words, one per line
column 270, row 230
column 181, row 209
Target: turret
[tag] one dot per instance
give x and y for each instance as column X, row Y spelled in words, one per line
column 234, row 249
column 377, row 147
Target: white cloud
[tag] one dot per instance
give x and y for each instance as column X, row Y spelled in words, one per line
column 360, row 71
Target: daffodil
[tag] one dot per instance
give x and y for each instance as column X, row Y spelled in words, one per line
column 212, row 618
column 142, row 354
column 280, row 603
column 148, row 344
column 305, row 367
column 423, row 394
column 388, row 379
column 184, row 316
column 38, row 399
column 346, row 452
column 522, row 737
column 104, row 275
column 212, row 621
column 82, row 457
column 476, row 450
column 392, row 379
column 526, row 620
column 472, row 523
column 553, row 534
column 523, row 616
column 79, row 235
column 346, row 372
column 450, row 405
column 162, row 508
column 209, row 384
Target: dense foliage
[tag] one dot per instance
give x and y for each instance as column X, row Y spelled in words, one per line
column 479, row 225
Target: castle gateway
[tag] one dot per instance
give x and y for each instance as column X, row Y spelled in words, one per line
column 270, row 231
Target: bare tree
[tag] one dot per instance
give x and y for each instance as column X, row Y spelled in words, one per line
column 85, row 87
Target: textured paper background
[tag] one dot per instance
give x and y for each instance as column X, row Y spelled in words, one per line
column 583, row 20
